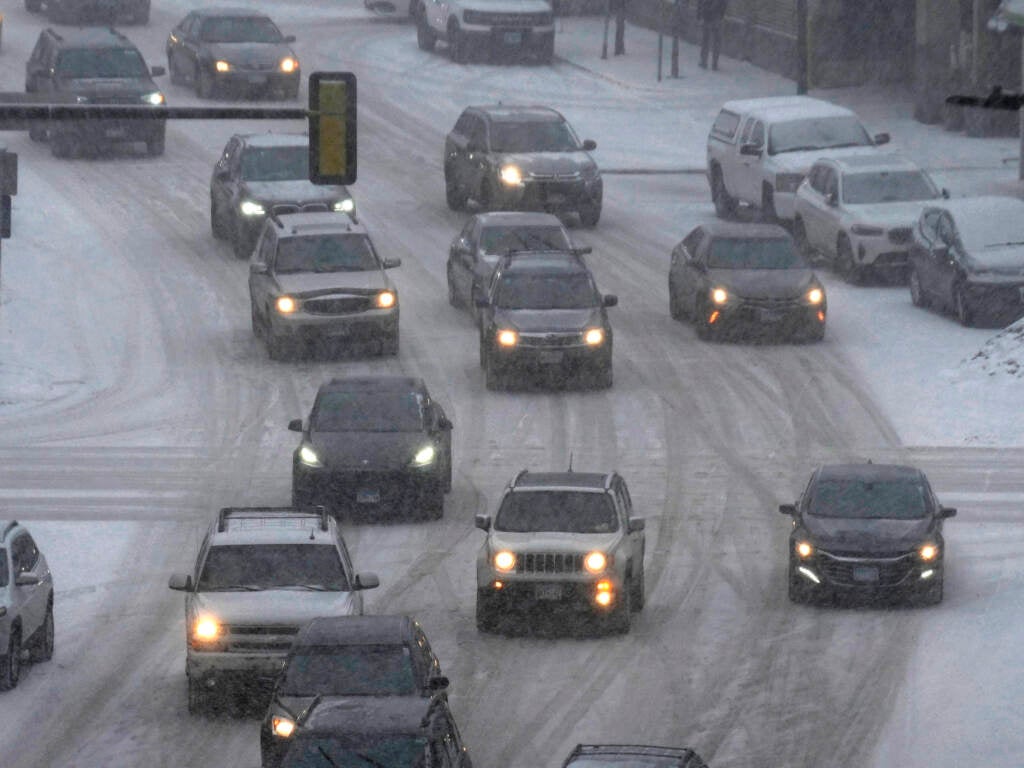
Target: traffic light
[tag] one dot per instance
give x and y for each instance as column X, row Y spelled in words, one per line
column 332, row 127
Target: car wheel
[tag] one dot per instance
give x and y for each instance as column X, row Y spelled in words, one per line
column 448, row 475
column 454, row 196
column 636, row 591
column 277, row 345
column 486, row 613
column 453, row 297
column 155, row 146
column 590, row 214
column 964, row 312
column 389, row 344
column 816, row 332
column 432, row 499
column 177, row 78
column 217, row 226
column 486, row 200
column 845, row 264
column 603, row 378
column 675, row 308
column 725, row 204
column 917, row 294
column 457, row 48
column 425, row 37
column 204, row 83
column 41, row 647
column 198, row 698
column 619, row 617
column 10, row 665
column 257, row 327
column 241, row 243
column 63, row 145
column 704, row 329
column 768, row 204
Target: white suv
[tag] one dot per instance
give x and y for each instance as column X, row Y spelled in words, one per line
column 26, row 602
column 759, row 150
column 261, row 575
column 515, row 26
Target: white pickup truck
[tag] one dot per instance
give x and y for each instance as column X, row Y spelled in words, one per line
column 523, row 27
column 760, row 150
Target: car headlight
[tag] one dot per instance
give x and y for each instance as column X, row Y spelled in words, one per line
column 286, row 305
column 155, row 98
column 289, row 64
column 282, row 727
column 815, row 296
column 386, row 299
column 590, row 173
column 788, row 182
column 595, row 562
column 511, row 175
column 504, row 561
column 803, row 549
column 508, row 338
column 81, row 99
column 719, row 296
column 222, row 66
column 928, row 552
column 345, row 206
column 424, row 456
column 206, row 629
column 594, row 336
column 865, row 230
column 251, row 208
column 309, row 457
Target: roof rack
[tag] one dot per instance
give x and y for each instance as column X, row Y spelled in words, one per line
column 435, row 699
column 519, row 476
column 57, row 35
column 257, row 512
column 608, row 479
column 10, row 527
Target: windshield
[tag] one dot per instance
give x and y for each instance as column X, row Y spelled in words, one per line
column 326, row 253
column 860, row 499
column 385, row 751
column 275, row 163
column 887, row 187
column 350, row 670
column 239, row 29
column 368, row 412
column 102, row 63
column 979, row 231
column 567, row 511
column 499, row 240
column 272, row 566
column 624, row 761
column 538, row 136
column 816, row 133
column 545, row 291
column 747, row 253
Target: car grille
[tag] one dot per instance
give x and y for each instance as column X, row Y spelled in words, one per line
column 774, row 304
column 550, row 339
column 900, row 235
column 283, row 208
column 247, row 638
column 115, row 100
column 553, row 179
column 549, row 562
column 497, row 19
column 891, row 571
column 340, row 305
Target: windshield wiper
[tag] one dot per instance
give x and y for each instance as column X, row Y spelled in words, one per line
column 238, row 588
column 312, row 587
column 1000, row 245
column 327, row 757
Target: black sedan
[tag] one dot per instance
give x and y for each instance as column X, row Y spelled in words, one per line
column 371, row 444
column 632, row 756
column 238, row 48
column 873, row 530
column 727, row 276
column 967, row 257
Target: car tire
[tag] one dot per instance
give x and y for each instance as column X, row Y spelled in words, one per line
column 917, row 294
column 704, row 330
column 636, row 591
column 204, row 83
column 425, row 37
column 155, row 146
column 448, row 475
column 63, row 145
column 962, row 307
column 768, row 212
column 218, row 228
column 41, row 645
column 173, row 72
column 816, row 332
column 240, row 243
column 257, row 325
column 389, row 344
column 845, row 263
column 10, row 664
column 198, row 698
column 493, row 378
column 454, row 196
column 457, row 48
column 619, row 619
column 590, row 214
column 486, row 200
column 453, row 297
column 486, row 613
column 432, row 499
column 725, row 204
column 675, row 308
column 277, row 345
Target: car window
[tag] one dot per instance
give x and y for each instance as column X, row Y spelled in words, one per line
column 831, row 183
column 231, row 567
column 239, row 29
column 350, row 670
column 533, row 136
column 748, row 253
column 725, row 125
column 275, row 163
column 502, row 239
column 816, row 178
column 326, row 253
column 368, row 412
column 4, row 577
column 24, row 553
column 757, row 133
column 566, row 511
column 545, row 291
column 101, row 63
column 748, row 128
column 902, row 499
column 477, row 133
column 945, row 230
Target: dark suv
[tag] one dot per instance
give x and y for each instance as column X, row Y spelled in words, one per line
column 93, row 65
column 513, row 157
column 543, row 314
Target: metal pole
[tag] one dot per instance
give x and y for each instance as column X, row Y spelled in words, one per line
column 801, row 46
column 661, row 41
column 607, row 22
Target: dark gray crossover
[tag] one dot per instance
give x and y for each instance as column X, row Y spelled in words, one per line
column 872, row 530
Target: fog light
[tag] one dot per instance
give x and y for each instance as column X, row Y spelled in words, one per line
column 927, row 574
column 604, row 599
column 222, row 66
column 804, row 549
column 821, row 316
column 507, row 338
column 499, row 585
column 807, row 572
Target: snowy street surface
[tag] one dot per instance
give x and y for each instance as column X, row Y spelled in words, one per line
column 135, row 401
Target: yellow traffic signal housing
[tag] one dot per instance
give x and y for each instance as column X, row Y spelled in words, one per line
column 332, row 127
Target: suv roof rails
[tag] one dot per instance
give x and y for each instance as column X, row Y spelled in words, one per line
column 609, row 478
column 257, row 512
column 56, row 35
column 435, row 698
column 10, row 527
column 519, row 476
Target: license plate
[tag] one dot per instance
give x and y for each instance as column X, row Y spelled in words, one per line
column 257, row 79
column 115, row 133
column 513, row 38
column 367, row 496
column 549, row 358
column 338, row 330
column 549, row 592
column 865, row 573
column 769, row 315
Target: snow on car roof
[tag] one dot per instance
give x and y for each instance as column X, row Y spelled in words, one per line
column 318, row 223
column 779, row 108
column 517, row 218
column 290, row 528
column 511, row 112
column 276, row 139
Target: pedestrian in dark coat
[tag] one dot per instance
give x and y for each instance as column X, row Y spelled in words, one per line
column 711, row 14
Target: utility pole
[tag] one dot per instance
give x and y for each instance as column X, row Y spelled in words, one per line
column 801, row 46
column 8, row 187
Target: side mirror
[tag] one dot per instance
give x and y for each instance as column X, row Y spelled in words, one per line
column 947, row 511
column 832, row 199
column 157, row 71
column 445, row 423
column 787, row 509
column 753, row 150
column 636, row 524
column 610, row 300
column 180, row 582
column 392, row 263
column 257, row 268
column 483, row 522
column 295, row 425
column 940, row 251
column 367, row 581
column 26, row 580
column 881, row 138
column 583, row 251
column 289, row 38
column 438, row 683
column 945, row 194
column 589, row 145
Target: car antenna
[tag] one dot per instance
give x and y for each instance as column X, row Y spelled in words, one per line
column 312, row 534
column 570, row 461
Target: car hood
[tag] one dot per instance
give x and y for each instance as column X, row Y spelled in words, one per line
column 293, row 191
column 367, row 450
column 878, row 537
column 262, row 55
column 550, row 163
column 1006, row 261
column 889, row 215
column 538, row 320
column 300, row 283
column 763, row 283
column 119, row 88
column 553, row 541
column 292, row 607
column 801, row 162
column 508, row 6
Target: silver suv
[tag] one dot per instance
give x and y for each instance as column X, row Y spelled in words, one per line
column 261, row 575
column 26, row 602
column 562, row 539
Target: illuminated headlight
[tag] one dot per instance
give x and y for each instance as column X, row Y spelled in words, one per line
column 865, row 230
column 206, row 629
column 288, row 64
column 155, row 98
column 719, row 295
column 345, row 206
column 308, row 456
column 815, row 296
column 222, row 66
column 508, row 338
column 594, row 336
column 81, row 99
column 804, row 549
column 928, row 552
column 424, row 456
column 595, row 562
column 504, row 561
column 511, row 175
column 286, row 305
column 282, row 727
column 251, row 208
column 788, row 182
column 386, row 299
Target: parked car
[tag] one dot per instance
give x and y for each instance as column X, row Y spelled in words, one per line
column 26, row 602
column 632, row 756
column 727, row 276
column 216, row 49
column 760, row 150
column 967, row 256
column 525, row 27
column 859, row 212
column 867, row 530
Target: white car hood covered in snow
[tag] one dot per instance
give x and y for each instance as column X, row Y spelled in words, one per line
column 553, row 541
column 293, row 607
column 888, row 214
column 300, row 282
column 508, row 6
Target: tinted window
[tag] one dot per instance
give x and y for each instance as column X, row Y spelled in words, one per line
column 624, row 761
column 726, row 124
column 743, row 253
column 330, row 253
column 275, row 163
column 887, row 187
column 568, row 511
column 101, row 62
column 903, row 499
column 3, row 568
column 547, row 136
column 385, row 751
column 817, row 133
column 540, row 238
column 354, row 670
column 270, row 566
column 368, row 412
column 239, row 30
column 545, row 291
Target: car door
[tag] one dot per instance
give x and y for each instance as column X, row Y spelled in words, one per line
column 176, row 59
column 475, row 165
column 460, row 262
column 190, row 49
column 919, row 254
column 350, row 575
column 456, row 148
column 636, row 538
column 442, row 436
column 222, row 185
column 829, row 222
column 943, row 264
column 694, row 270
column 261, row 278
column 29, row 599
column 811, row 205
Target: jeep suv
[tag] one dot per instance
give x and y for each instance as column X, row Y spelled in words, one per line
column 93, row 65
column 527, row 158
column 26, row 602
column 562, row 538
column 760, row 150
column 317, row 277
column 262, row 574
column 259, row 174
column 513, row 26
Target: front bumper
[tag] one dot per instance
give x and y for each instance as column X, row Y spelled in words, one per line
column 304, row 327
column 514, row 592
column 258, row 79
column 880, row 252
column 504, row 40
column 528, row 358
column 214, row 668
column 98, row 132
column 870, row 576
column 372, row 491
column 539, row 193
column 768, row 318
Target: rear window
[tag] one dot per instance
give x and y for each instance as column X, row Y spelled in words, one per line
column 897, row 499
column 350, row 670
column 725, row 125
column 255, row 567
